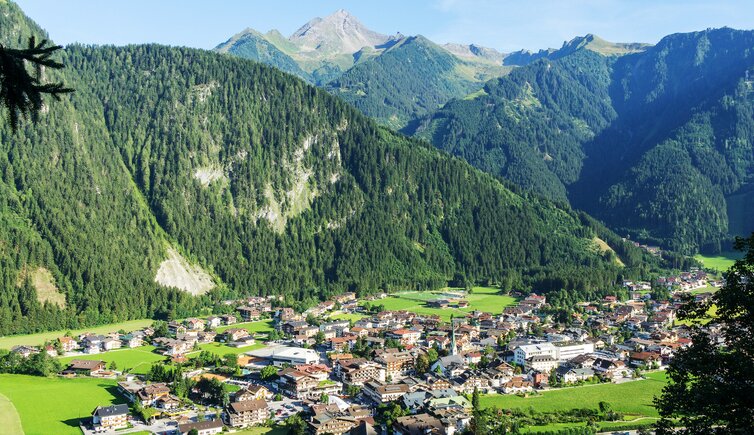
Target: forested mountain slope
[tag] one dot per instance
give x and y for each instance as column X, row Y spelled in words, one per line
column 269, row 185
column 652, row 142
column 407, row 81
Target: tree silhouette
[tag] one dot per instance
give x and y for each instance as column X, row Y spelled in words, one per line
column 22, row 90
column 711, row 388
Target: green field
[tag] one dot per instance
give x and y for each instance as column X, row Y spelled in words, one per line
column 722, row 262
column 9, row 419
column 221, row 349
column 55, row 405
column 41, row 338
column 253, row 327
column 347, row 316
column 630, row 398
column 482, row 299
column 138, row 360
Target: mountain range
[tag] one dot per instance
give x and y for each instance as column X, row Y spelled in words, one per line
column 658, row 143
column 391, row 78
column 175, row 178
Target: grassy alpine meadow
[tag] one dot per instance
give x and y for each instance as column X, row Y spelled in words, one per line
column 722, row 262
column 37, row 339
column 55, row 405
column 481, row 298
column 633, row 398
column 137, row 360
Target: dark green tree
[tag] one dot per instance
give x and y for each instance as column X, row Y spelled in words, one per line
column 711, row 388
column 21, row 91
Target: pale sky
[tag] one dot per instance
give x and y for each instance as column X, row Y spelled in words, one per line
column 506, row 25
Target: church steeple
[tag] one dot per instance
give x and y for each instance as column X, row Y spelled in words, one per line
column 452, row 336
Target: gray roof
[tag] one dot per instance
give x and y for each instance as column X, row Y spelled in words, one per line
column 109, row 411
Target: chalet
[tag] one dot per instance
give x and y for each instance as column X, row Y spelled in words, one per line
column 419, row 424
column 25, row 351
column 382, row 393
column 570, row 375
column 252, row 392
column 110, row 344
column 229, row 319
column 644, row 359
column 84, row 367
column 235, row 334
column 132, row 340
column 329, row 419
column 406, row 337
column 247, row 413
column 68, row 344
column 357, row 371
column 299, row 385
column 194, row 324
column 207, row 427
column 110, row 417
column 517, row 385
column 609, row 368
column 174, row 328
column 249, row 314
column 150, row 394
column 397, row 364
column 214, row 321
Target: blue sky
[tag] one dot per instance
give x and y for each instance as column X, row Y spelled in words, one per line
column 503, row 24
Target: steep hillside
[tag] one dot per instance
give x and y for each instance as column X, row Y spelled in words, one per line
column 651, row 141
column 250, row 44
column 407, row 81
column 209, row 173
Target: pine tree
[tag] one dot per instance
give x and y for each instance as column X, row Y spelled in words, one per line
column 21, row 92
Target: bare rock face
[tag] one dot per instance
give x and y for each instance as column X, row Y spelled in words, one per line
column 339, row 33
column 475, row 52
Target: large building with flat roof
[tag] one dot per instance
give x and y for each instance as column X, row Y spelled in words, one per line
column 280, row 354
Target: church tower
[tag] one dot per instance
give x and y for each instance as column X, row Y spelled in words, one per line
column 452, row 336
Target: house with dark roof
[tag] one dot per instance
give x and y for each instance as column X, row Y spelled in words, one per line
column 110, row 417
column 208, row 427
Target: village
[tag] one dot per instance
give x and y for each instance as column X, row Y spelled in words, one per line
column 340, row 366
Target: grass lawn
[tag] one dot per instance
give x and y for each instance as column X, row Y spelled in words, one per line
column 707, row 289
column 481, row 298
column 721, row 261
column 55, row 405
column 634, row 398
column 347, row 316
column 252, row 327
column 9, row 419
column 138, row 360
column 221, row 349
column 36, row 339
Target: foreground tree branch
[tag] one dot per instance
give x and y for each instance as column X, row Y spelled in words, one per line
column 21, row 90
